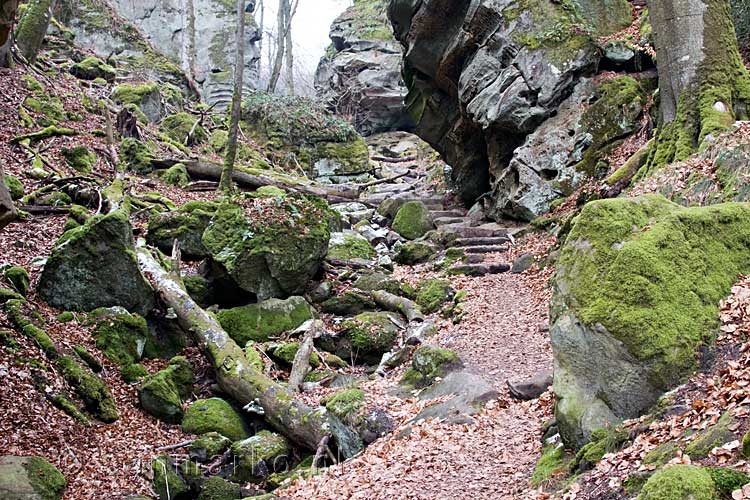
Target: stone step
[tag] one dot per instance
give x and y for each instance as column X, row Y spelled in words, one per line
column 475, row 242
column 443, row 221
column 439, row 214
column 483, row 249
column 478, row 269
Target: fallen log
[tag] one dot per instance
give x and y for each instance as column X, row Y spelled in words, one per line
column 392, row 302
column 301, row 364
column 386, row 159
column 303, row 425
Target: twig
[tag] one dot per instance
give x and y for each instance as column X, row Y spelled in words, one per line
column 382, row 181
column 175, row 446
column 385, row 159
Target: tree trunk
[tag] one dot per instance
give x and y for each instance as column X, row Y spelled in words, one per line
column 280, row 46
column 703, row 85
column 225, row 184
column 7, row 17
column 7, row 210
column 289, row 51
column 33, row 27
column 303, row 425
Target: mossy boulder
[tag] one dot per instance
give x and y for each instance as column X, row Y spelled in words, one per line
column 679, row 482
column 144, row 95
column 79, row 158
column 350, row 245
column 270, row 247
column 121, row 336
column 214, row 415
column 285, row 353
column 261, row 321
column 30, row 478
column 413, row 220
column 92, row 68
column 180, row 125
column 136, row 156
column 714, row 436
column 161, row 394
column 176, row 175
column 93, row 392
column 15, row 187
column 186, row 225
column 727, row 480
column 372, row 282
column 367, row 336
column 432, row 294
column 259, row 455
column 636, row 296
column 345, row 404
column 19, row 278
column 216, row 488
column 428, row 364
column 48, row 109
column 208, row 446
column 95, row 266
column 53, row 199
column 414, row 252
column 603, row 441
column 167, row 482
column 348, row 303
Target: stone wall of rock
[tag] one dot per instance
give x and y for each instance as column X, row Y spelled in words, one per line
column 360, row 76
column 196, row 36
column 486, row 77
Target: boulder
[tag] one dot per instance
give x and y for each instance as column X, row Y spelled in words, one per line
column 468, row 394
column 145, row 96
column 635, row 299
column 531, row 388
column 215, row 415
column 348, row 303
column 258, row 456
column 95, row 266
column 414, row 252
column 162, row 394
column 208, row 446
column 365, row 338
column 92, row 68
column 679, row 482
column 167, row 482
column 259, row 322
column 429, row 364
column 19, row 278
column 350, row 245
column 413, row 220
column 432, row 294
column 186, row 225
column 272, row 252
column 179, row 126
column 30, row 478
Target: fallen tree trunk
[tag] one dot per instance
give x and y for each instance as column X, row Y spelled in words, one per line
column 301, row 364
column 303, row 425
column 399, row 304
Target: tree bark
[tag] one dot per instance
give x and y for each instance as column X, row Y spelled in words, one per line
column 289, row 51
column 8, row 211
column 33, row 27
column 392, row 302
column 301, row 363
column 298, row 422
column 273, row 80
column 7, row 17
column 703, row 85
column 225, row 184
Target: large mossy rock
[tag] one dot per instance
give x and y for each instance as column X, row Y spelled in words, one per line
column 215, row 415
column 350, row 245
column 269, row 247
column 413, row 220
column 30, row 478
column 186, row 225
column 144, row 95
column 679, row 482
column 161, row 394
column 257, row 456
column 326, row 146
column 95, row 266
column 259, row 322
column 367, row 336
column 636, row 296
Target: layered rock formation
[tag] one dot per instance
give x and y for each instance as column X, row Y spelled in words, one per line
column 485, row 78
column 360, row 76
column 168, row 37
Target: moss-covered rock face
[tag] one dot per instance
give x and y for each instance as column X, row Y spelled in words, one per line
column 428, row 364
column 48, row 109
column 216, row 488
column 208, row 446
column 712, row 437
column 348, row 303
column 214, row 415
column 80, row 158
column 636, row 295
column 367, row 337
column 92, row 68
column 15, row 187
column 167, row 482
column 603, row 441
column 136, row 156
column 285, row 353
column 270, row 247
column 19, row 278
column 259, row 455
column 93, row 392
column 121, row 336
column 413, row 220
column 95, row 266
column 179, row 126
column 325, row 146
column 30, row 478
column 186, row 224
column 345, row 404
column 432, row 294
column 161, row 394
column 350, row 245
column 679, row 482
column 414, row 252
column 269, row 318
column 176, row 175
column 144, row 95
column 378, row 281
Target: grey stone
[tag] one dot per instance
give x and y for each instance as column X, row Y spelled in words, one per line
column 469, row 392
column 523, row 263
column 532, row 388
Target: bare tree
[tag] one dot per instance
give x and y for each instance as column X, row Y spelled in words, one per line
column 33, row 26
column 283, row 43
column 7, row 16
column 226, row 185
column 289, row 51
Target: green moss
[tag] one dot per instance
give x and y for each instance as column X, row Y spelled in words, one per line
column 261, row 321
column 679, row 482
column 428, row 364
column 92, row 391
column 347, row 246
column 88, row 358
column 345, row 404
column 432, row 294
column 31, row 83
column 136, row 156
column 47, row 482
column 177, row 175
column 15, row 187
column 161, row 394
column 378, row 281
column 413, row 220
column 258, row 455
column 53, row 199
column 65, row 317
column 67, row 406
column 745, row 449
column 661, row 454
column 660, row 272
column 712, row 437
column 285, row 354
column 553, row 463
column 414, row 252
column 208, row 446
column 371, row 335
column 19, row 278
column 92, row 68
column 48, row 108
column 120, row 335
column 178, row 126
column 128, row 93
column 348, row 303
column 727, row 480
column 216, row 488
column 186, row 224
column 603, row 441
column 79, row 158
column 167, row 483
column 214, row 415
